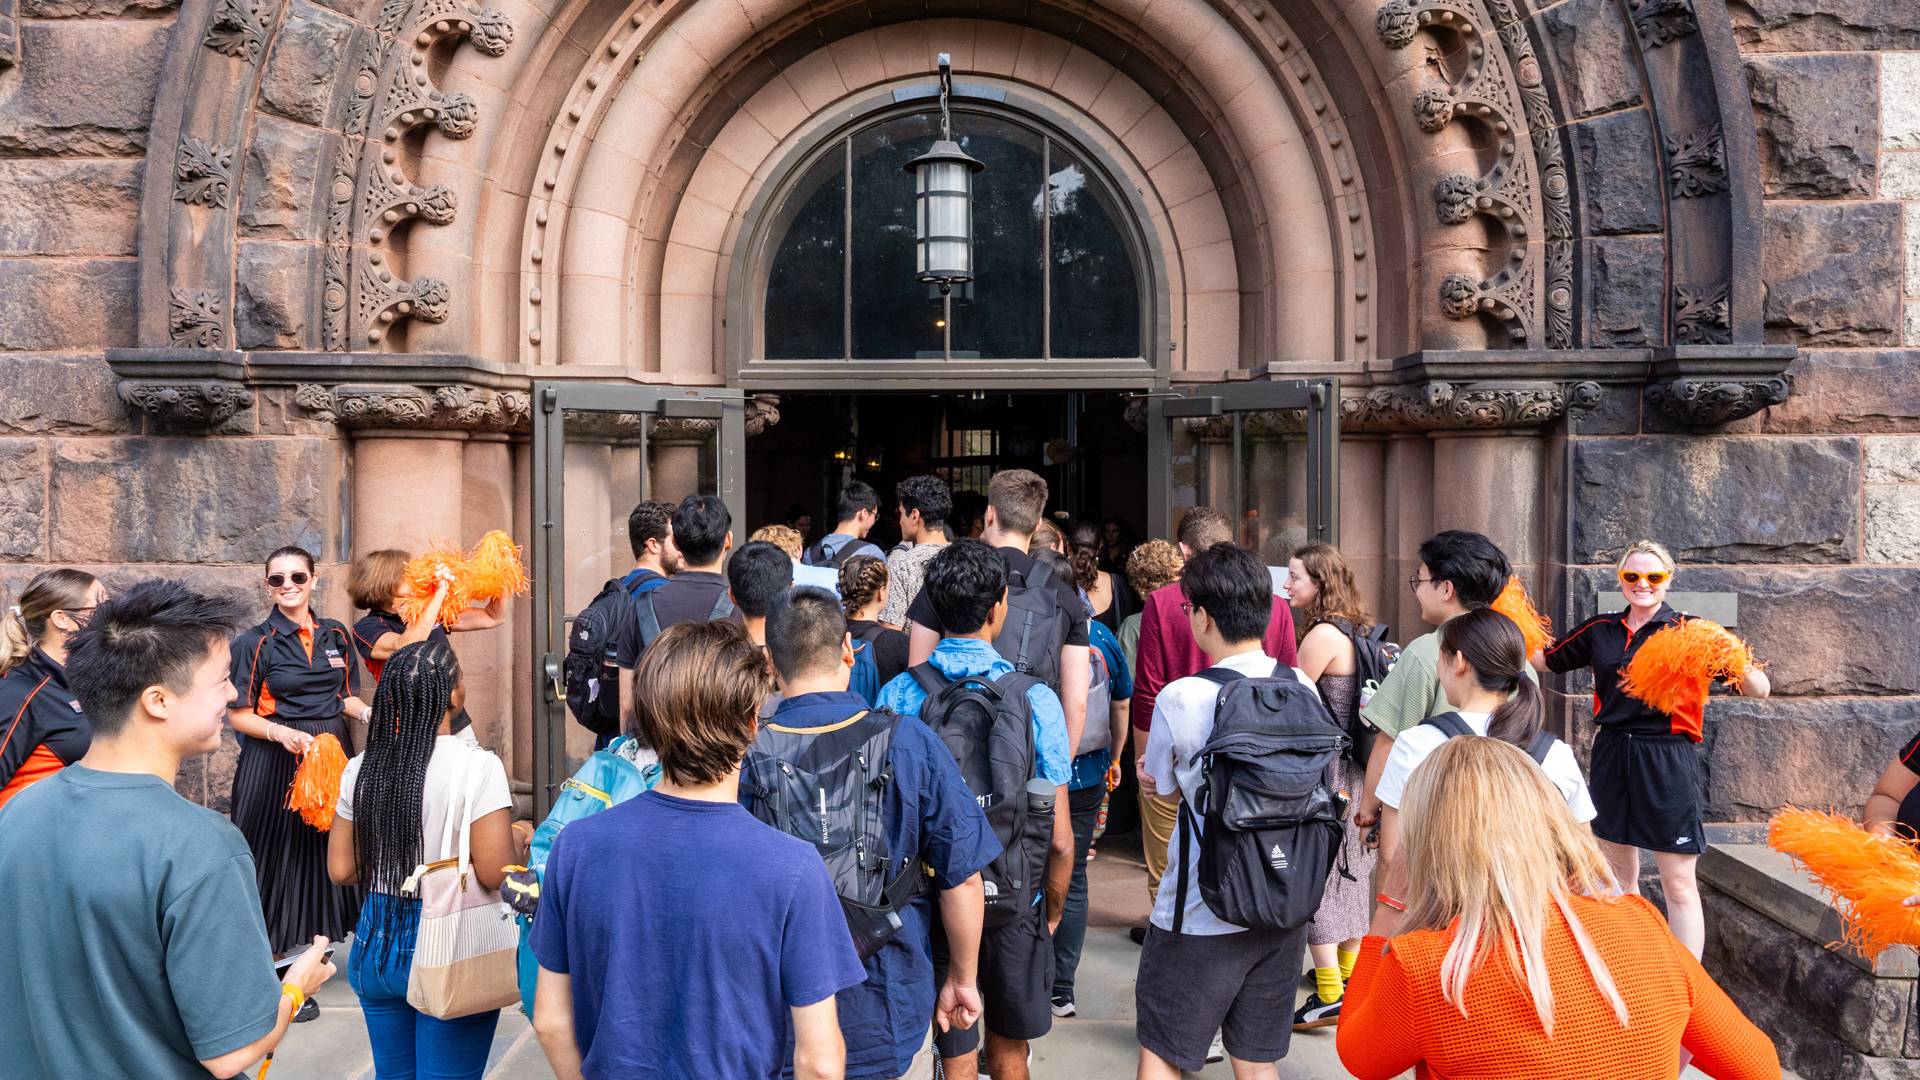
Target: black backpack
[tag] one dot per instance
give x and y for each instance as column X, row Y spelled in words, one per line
column 987, row 725
column 829, row 788
column 649, row 619
column 817, row 554
column 590, row 672
column 1452, row 724
column 1037, row 626
column 1373, row 657
column 1271, row 810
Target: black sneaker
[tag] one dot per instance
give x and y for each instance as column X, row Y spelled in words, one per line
column 1315, row 1013
column 1138, row 934
column 1063, row 1004
column 309, row 1010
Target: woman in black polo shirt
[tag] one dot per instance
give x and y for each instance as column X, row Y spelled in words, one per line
column 376, row 584
column 42, row 728
column 297, row 679
column 1894, row 807
column 1645, row 778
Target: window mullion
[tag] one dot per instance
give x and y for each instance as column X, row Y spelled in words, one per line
column 1046, row 248
column 846, row 250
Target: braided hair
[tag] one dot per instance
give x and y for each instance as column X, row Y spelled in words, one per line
column 861, row 579
column 413, row 698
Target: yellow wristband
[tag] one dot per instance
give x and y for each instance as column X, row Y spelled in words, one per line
column 298, row 995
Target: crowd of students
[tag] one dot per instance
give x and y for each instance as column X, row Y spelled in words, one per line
column 880, row 775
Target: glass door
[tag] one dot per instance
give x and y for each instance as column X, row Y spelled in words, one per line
column 598, row 449
column 1265, row 453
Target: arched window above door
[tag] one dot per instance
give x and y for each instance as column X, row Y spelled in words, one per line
column 1058, row 273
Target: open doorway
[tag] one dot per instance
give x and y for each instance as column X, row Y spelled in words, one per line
column 1094, row 461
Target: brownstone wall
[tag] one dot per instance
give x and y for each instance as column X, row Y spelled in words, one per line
column 1809, row 511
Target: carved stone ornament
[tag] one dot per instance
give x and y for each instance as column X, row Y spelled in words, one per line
column 193, row 319
column 187, row 405
column 763, row 411
column 1710, row 402
column 202, row 173
column 429, row 408
column 1442, row 406
column 239, row 29
column 1697, row 163
column 683, row 430
column 1661, row 21
column 1453, row 198
column 1700, row 315
column 1397, row 23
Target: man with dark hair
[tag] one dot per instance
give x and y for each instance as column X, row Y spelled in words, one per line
column 858, row 509
column 655, row 559
column 1166, row 651
column 927, row 818
column 1459, row 572
column 756, row 576
column 966, row 592
column 1016, row 499
column 145, row 954
column 702, row 532
column 969, row 517
column 1210, row 975
column 641, row 967
column 924, row 506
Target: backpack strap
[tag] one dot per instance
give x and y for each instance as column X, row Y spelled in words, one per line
column 1221, row 675
column 871, row 635
column 722, row 607
column 643, row 610
column 930, row 678
column 1450, row 723
column 1189, row 834
column 1037, row 577
column 1541, row 746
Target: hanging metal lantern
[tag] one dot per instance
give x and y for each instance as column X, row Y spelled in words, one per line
column 943, row 201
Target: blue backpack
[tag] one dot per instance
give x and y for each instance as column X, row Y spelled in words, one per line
column 866, row 672
column 607, row 779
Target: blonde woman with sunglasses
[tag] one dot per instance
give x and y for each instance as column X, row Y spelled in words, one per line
column 1645, row 780
column 1498, row 947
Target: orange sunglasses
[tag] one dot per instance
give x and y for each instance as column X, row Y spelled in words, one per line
column 1656, row 578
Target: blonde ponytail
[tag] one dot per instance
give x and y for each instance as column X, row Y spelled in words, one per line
column 24, row 625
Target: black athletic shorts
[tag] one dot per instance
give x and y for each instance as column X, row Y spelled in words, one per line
column 1016, row 981
column 1241, row 985
column 1647, row 792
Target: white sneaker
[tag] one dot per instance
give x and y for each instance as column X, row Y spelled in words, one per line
column 1217, row 1051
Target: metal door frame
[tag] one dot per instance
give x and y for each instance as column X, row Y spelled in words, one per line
column 1318, row 398
column 552, row 400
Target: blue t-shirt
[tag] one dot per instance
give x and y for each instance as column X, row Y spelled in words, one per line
column 960, row 657
column 689, row 929
column 930, row 819
column 134, row 944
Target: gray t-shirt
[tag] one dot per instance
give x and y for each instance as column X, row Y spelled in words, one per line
column 134, row 943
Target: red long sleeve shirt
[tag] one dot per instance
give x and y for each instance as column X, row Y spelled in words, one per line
column 1167, row 650
column 1395, row 1019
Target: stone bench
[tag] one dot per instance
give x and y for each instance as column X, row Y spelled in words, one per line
column 1773, row 944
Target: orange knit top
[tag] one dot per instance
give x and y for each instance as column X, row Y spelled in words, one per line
column 1395, row 1019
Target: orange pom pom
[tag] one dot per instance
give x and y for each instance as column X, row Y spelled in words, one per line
column 1514, row 603
column 316, row 783
column 1869, row 877
column 493, row 571
column 1673, row 669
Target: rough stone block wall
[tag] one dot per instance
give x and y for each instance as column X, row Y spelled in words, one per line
column 1810, row 511
column 83, row 480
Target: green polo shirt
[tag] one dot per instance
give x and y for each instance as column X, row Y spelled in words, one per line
column 1411, row 692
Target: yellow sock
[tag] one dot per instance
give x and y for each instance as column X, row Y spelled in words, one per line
column 1347, row 960
column 1327, row 983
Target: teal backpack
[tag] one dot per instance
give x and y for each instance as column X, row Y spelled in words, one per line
column 610, row 777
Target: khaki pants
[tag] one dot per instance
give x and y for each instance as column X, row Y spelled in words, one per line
column 1157, row 815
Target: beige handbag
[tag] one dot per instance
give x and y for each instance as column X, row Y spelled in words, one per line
column 465, row 956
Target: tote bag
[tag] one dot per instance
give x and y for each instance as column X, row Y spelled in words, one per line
column 464, row 955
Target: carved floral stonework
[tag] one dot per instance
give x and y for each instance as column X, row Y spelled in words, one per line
column 1526, row 287
column 406, row 407
column 1700, row 315
column 1658, row 22
column 1440, row 405
column 763, row 411
column 187, row 405
column 1708, row 401
column 193, row 319
column 239, row 29
column 203, row 173
column 1697, row 163
column 370, row 195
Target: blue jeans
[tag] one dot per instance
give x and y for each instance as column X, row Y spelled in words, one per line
column 1084, row 807
column 407, row 1044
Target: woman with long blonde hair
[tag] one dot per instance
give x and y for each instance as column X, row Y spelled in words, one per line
column 1500, row 947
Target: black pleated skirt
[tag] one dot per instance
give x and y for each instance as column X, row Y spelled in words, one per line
column 289, row 856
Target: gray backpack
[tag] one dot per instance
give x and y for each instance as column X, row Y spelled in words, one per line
column 1036, row 628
